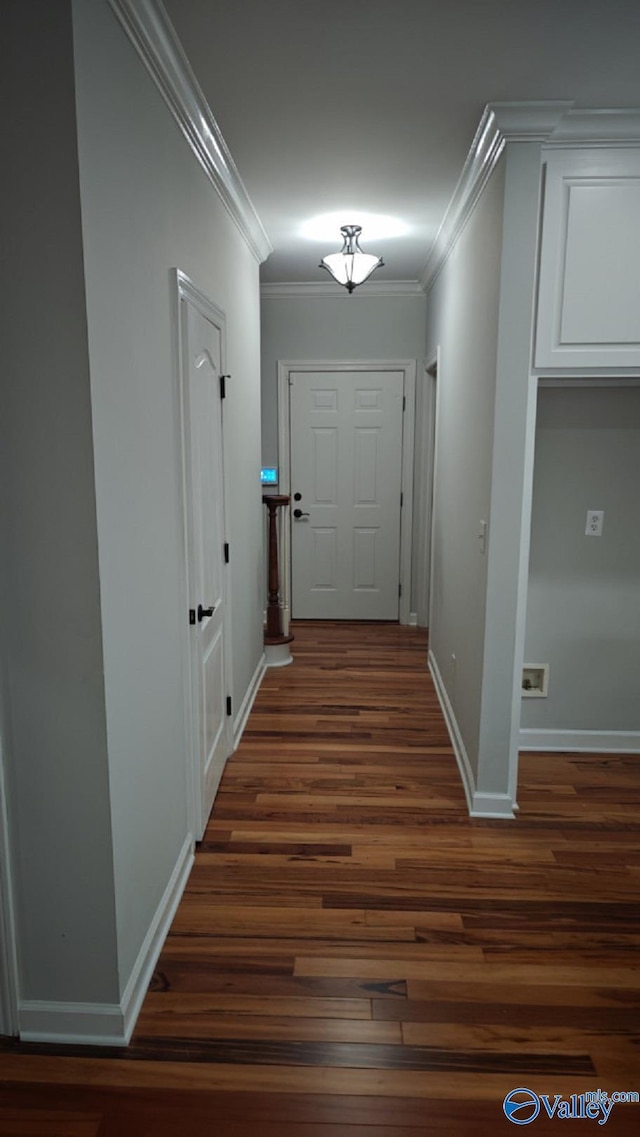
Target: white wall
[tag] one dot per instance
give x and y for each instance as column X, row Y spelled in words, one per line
column 583, row 613
column 360, row 326
column 53, row 713
column 480, row 312
column 148, row 207
column 462, row 320
column 103, row 200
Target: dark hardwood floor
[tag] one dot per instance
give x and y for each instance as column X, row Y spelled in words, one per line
column 354, row 956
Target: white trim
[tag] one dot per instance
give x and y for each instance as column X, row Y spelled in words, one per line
column 110, row 1024
column 240, row 720
column 87, row 1024
column 499, row 806
column 577, row 377
column 553, row 123
column 520, row 628
column 435, row 361
column 408, row 367
column 614, row 127
column 479, row 804
column 310, row 289
column 152, row 34
column 459, row 749
column 406, row 512
column 8, row 958
column 194, row 789
column 500, row 123
column 424, row 481
column 582, row 741
column 138, row 983
column 284, row 487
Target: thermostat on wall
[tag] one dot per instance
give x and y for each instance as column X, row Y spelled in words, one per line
column 269, row 476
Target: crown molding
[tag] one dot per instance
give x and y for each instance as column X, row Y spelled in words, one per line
column 500, row 123
column 152, row 34
column 308, row 289
column 597, row 128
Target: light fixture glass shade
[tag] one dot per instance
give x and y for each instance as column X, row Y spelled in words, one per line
column 350, row 267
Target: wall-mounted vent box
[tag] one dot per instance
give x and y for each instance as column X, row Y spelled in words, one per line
column 535, row 680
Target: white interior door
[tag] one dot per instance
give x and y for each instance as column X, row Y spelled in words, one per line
column 346, row 480
column 208, row 598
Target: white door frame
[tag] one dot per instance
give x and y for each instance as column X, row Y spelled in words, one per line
column 8, row 958
column 426, row 411
column 186, row 290
column 408, row 368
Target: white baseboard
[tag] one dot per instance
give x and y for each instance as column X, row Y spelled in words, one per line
column 136, row 988
column 89, row 1024
column 462, row 758
column 240, row 720
column 585, row 741
column 479, row 804
column 8, row 952
column 499, row 806
column 109, row 1024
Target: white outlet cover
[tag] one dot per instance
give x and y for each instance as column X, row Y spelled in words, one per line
column 595, row 523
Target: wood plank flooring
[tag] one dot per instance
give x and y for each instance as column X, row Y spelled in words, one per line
column 354, row 956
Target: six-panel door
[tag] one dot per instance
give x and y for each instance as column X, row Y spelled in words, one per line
column 346, row 467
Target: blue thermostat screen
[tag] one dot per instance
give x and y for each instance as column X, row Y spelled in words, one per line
column 269, row 475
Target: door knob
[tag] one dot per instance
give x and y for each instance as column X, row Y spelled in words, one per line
column 202, row 612
column 297, row 513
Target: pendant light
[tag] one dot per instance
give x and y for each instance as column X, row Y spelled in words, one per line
column 351, row 267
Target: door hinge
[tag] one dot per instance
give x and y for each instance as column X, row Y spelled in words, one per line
column 223, row 386
column 404, row 402
column 228, row 704
column 226, row 552
column 399, row 590
column 401, row 500
column 192, row 615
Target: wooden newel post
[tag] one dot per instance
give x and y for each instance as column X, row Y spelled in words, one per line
column 275, row 641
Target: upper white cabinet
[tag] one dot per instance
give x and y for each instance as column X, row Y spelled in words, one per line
column 589, row 280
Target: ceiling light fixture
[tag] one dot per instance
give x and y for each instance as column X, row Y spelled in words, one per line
column 350, row 267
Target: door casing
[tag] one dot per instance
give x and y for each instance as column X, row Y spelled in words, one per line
column 408, row 367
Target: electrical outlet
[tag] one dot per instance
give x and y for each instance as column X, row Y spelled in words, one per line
column 595, row 523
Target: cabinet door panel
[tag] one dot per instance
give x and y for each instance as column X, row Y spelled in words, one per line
column 589, row 284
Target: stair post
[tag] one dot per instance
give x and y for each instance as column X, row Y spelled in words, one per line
column 276, row 643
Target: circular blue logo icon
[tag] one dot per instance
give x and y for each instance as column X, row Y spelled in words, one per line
column 521, row 1106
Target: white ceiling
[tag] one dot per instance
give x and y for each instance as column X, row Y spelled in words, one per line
column 341, row 106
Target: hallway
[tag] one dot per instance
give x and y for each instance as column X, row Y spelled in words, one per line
column 354, row 956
